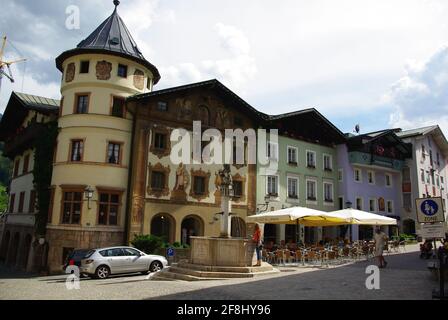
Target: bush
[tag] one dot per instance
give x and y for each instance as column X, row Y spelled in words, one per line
column 147, row 243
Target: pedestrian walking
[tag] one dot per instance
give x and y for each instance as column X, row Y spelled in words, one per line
column 380, row 239
column 256, row 237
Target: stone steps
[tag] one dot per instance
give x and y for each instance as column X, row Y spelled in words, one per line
column 191, row 272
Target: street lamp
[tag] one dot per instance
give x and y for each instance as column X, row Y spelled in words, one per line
column 88, row 192
column 264, row 205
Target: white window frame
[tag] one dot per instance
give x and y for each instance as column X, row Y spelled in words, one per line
column 362, row 203
column 332, row 193
column 373, row 177
column 315, row 190
column 314, row 157
column 269, row 152
column 289, row 177
column 297, row 154
column 267, row 183
column 387, row 206
column 390, row 180
column 360, row 175
column 375, row 205
column 331, row 161
column 340, row 175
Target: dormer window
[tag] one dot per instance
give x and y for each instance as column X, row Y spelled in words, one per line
column 122, row 71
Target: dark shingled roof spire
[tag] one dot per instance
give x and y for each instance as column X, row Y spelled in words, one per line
column 112, row 37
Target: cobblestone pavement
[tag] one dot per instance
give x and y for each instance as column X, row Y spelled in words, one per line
column 406, row 277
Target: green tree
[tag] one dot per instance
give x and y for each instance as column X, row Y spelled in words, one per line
column 3, row 199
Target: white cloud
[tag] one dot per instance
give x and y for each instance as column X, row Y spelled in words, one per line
column 420, row 97
column 235, row 70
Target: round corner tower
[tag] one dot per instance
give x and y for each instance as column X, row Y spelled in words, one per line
column 92, row 156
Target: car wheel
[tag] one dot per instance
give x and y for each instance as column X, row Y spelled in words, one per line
column 156, row 266
column 102, row 272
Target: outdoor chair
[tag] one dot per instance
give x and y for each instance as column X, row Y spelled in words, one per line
column 300, row 257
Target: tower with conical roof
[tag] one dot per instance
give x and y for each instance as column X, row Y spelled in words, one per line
column 92, row 156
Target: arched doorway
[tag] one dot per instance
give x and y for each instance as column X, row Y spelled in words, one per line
column 163, row 225
column 238, row 227
column 191, row 226
column 14, row 249
column 5, row 245
column 409, row 226
column 25, row 251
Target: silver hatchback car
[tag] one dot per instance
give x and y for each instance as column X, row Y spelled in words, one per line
column 101, row 263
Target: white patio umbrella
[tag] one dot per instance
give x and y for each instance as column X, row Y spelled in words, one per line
column 300, row 215
column 364, row 218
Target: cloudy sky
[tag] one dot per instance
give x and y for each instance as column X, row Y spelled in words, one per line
column 379, row 63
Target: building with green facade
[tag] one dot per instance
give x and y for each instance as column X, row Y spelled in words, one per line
column 302, row 172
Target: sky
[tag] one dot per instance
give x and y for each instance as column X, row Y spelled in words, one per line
column 377, row 63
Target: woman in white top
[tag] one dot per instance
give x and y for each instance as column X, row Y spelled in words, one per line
column 380, row 240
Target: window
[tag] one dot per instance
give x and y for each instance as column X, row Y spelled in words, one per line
column 272, row 151
column 199, row 185
column 311, row 159
column 292, row 155
column 130, row 252
column 423, row 152
column 114, row 153
column 21, row 201
column 311, row 190
column 422, row 175
column 389, row 206
column 238, row 188
column 84, row 68
column 371, row 177
column 157, row 180
column 162, row 106
column 430, row 157
column 118, row 107
column 159, row 140
column 272, row 185
column 292, row 188
column 407, row 200
column 26, row 163
column 122, row 71
column 328, row 162
column 357, row 175
column 82, row 103
column 340, row 175
column 11, row 202
column 328, row 192
column 71, row 207
column 428, row 177
column 116, row 252
column 432, row 178
column 372, row 206
column 438, row 159
column 359, row 204
column 109, row 204
column 76, row 150
column 16, row 167
column 32, row 204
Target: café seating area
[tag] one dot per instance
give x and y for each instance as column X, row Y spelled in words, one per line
column 322, row 255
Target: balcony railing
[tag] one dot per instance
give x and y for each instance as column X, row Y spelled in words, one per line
column 363, row 158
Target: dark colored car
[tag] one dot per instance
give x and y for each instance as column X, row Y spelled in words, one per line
column 74, row 258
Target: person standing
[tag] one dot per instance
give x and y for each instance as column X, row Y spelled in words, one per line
column 256, row 237
column 380, row 239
